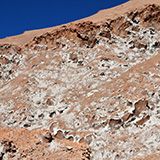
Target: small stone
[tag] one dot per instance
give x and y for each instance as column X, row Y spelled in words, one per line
column 74, row 57
column 102, row 74
column 52, row 114
column 47, row 137
column 69, row 148
column 49, row 102
column 27, row 125
column 70, row 138
column 115, row 123
column 59, row 135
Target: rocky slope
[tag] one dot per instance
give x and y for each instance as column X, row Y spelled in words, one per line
column 84, row 90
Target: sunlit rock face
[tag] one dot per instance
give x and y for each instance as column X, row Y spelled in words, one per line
column 84, row 90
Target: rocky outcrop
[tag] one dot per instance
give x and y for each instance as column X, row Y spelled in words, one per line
column 82, row 33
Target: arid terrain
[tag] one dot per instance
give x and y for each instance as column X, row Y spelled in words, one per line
column 85, row 90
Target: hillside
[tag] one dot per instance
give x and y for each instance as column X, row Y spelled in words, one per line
column 89, row 89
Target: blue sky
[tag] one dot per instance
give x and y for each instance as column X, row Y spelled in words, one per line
column 17, row 16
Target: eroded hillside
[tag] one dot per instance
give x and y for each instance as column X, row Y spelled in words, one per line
column 85, row 90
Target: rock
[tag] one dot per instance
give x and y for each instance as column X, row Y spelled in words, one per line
column 88, row 139
column 115, row 123
column 49, row 102
column 127, row 116
column 71, row 138
column 26, row 125
column 59, row 135
column 102, row 74
column 140, row 106
column 52, row 114
column 106, row 34
column 74, row 57
column 69, row 148
column 8, row 146
column 86, row 153
column 81, row 140
column 143, row 120
column 156, row 45
column 47, row 137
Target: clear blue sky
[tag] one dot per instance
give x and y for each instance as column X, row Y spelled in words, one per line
column 17, row 16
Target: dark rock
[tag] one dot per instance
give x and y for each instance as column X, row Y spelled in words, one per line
column 106, row 34
column 9, row 146
column 47, row 137
column 27, row 125
column 52, row 114
column 70, row 138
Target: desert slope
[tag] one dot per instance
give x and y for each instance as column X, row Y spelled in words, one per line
column 89, row 89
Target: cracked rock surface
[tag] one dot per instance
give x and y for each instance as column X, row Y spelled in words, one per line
column 85, row 90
